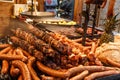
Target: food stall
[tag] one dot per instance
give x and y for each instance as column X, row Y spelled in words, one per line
column 37, row 45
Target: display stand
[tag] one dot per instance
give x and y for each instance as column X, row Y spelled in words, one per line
column 86, row 15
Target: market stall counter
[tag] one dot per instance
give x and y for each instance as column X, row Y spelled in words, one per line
column 31, row 53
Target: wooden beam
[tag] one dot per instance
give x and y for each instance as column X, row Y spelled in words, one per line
column 40, row 5
column 78, row 5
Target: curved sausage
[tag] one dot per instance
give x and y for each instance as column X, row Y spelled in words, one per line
column 48, row 78
column 19, row 52
column 80, row 76
column 101, row 74
column 14, row 71
column 93, row 48
column 15, row 57
column 5, row 66
column 26, row 53
column 23, row 68
column 10, row 52
column 20, row 77
column 81, row 68
column 4, row 45
column 32, row 72
column 5, row 50
column 50, row 71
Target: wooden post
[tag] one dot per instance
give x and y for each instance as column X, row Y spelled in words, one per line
column 78, row 5
column 110, row 11
column 40, row 5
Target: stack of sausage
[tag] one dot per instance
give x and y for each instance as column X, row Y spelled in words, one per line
column 68, row 51
column 50, row 56
column 23, row 66
column 74, row 51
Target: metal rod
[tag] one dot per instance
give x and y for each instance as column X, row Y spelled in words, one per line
column 32, row 7
column 94, row 19
column 98, row 17
column 85, row 25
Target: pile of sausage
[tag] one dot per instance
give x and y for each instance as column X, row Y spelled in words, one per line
column 42, row 55
column 23, row 66
column 61, row 52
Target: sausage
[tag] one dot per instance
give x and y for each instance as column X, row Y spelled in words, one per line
column 26, row 53
column 101, row 74
column 88, row 43
column 48, row 78
column 81, row 68
column 91, row 55
column 4, row 45
column 88, row 40
column 14, row 71
column 98, row 62
column 86, row 48
column 14, row 52
column 23, row 68
column 80, row 76
column 5, row 50
column 15, row 57
column 97, row 43
column 93, row 48
column 19, row 51
column 10, row 52
column 78, row 40
column 5, row 67
column 32, row 72
column 50, row 71
column 20, row 77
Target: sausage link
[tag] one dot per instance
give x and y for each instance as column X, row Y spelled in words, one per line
column 19, row 52
column 5, row 66
column 5, row 50
column 32, row 72
column 20, row 77
column 4, row 45
column 26, row 53
column 80, row 76
column 81, row 68
column 101, row 74
column 23, row 68
column 14, row 71
column 50, row 71
column 15, row 57
column 10, row 52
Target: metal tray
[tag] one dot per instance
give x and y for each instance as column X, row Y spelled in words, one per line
column 55, row 21
column 38, row 15
column 112, row 77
